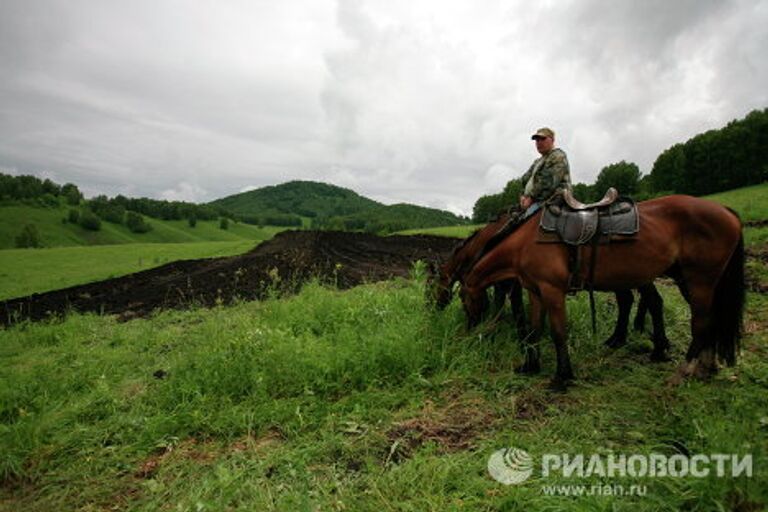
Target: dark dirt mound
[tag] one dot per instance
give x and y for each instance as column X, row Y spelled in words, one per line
column 756, row 223
column 285, row 262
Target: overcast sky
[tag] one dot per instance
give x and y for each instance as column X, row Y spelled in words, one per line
column 427, row 102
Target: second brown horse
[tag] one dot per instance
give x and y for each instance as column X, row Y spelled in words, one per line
column 458, row 265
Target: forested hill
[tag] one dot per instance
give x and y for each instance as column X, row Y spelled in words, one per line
column 330, row 207
column 728, row 158
column 41, row 213
column 304, row 198
column 731, row 157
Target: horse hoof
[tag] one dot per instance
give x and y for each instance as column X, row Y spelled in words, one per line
column 703, row 371
column 660, row 357
column 559, row 385
column 682, row 373
column 615, row 342
column 528, row 368
column 661, row 343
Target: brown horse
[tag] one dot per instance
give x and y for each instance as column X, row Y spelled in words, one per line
column 466, row 254
column 697, row 242
column 443, row 278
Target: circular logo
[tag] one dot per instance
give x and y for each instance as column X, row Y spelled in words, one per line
column 510, row 466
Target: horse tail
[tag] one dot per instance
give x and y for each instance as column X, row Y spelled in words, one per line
column 729, row 300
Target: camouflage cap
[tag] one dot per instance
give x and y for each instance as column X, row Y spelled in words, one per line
column 543, row 132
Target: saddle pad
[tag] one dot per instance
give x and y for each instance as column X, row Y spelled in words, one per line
column 620, row 218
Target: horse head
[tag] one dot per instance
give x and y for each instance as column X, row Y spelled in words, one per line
column 439, row 285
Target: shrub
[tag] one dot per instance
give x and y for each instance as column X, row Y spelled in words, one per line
column 89, row 220
column 108, row 210
column 136, row 223
column 192, row 220
column 72, row 194
column 224, row 223
column 74, row 215
column 29, row 237
column 48, row 201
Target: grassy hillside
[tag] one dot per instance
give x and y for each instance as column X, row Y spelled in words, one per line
column 364, row 400
column 750, row 202
column 452, row 231
column 54, row 233
column 329, row 206
column 27, row 271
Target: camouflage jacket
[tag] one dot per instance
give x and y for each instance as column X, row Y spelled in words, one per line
column 551, row 175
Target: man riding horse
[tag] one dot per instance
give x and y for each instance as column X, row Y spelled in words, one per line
column 548, row 176
column 697, row 243
column 545, row 181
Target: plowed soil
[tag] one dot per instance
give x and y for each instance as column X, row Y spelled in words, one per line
column 283, row 263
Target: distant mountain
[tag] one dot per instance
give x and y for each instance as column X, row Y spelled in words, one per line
column 324, row 206
column 302, row 198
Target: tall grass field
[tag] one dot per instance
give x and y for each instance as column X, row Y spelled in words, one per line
column 365, row 400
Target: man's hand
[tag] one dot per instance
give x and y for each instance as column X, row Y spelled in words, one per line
column 525, row 202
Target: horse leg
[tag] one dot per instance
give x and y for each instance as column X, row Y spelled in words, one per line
column 500, row 295
column 701, row 357
column 530, row 342
column 619, row 337
column 642, row 311
column 553, row 300
column 475, row 303
column 518, row 309
column 655, row 304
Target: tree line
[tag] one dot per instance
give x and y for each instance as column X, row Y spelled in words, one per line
column 32, row 189
column 120, row 209
column 732, row 157
column 714, row 161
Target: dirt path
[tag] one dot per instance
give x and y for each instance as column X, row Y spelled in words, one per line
column 286, row 261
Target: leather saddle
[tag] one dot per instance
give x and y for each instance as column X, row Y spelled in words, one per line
column 576, row 223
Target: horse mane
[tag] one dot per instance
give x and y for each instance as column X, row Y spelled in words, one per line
column 500, row 235
column 462, row 243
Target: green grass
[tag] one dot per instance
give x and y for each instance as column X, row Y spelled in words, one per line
column 54, row 233
column 756, row 236
column 750, row 202
column 451, row 231
column 27, row 271
column 364, row 400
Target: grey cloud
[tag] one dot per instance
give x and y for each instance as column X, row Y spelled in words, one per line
column 430, row 104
